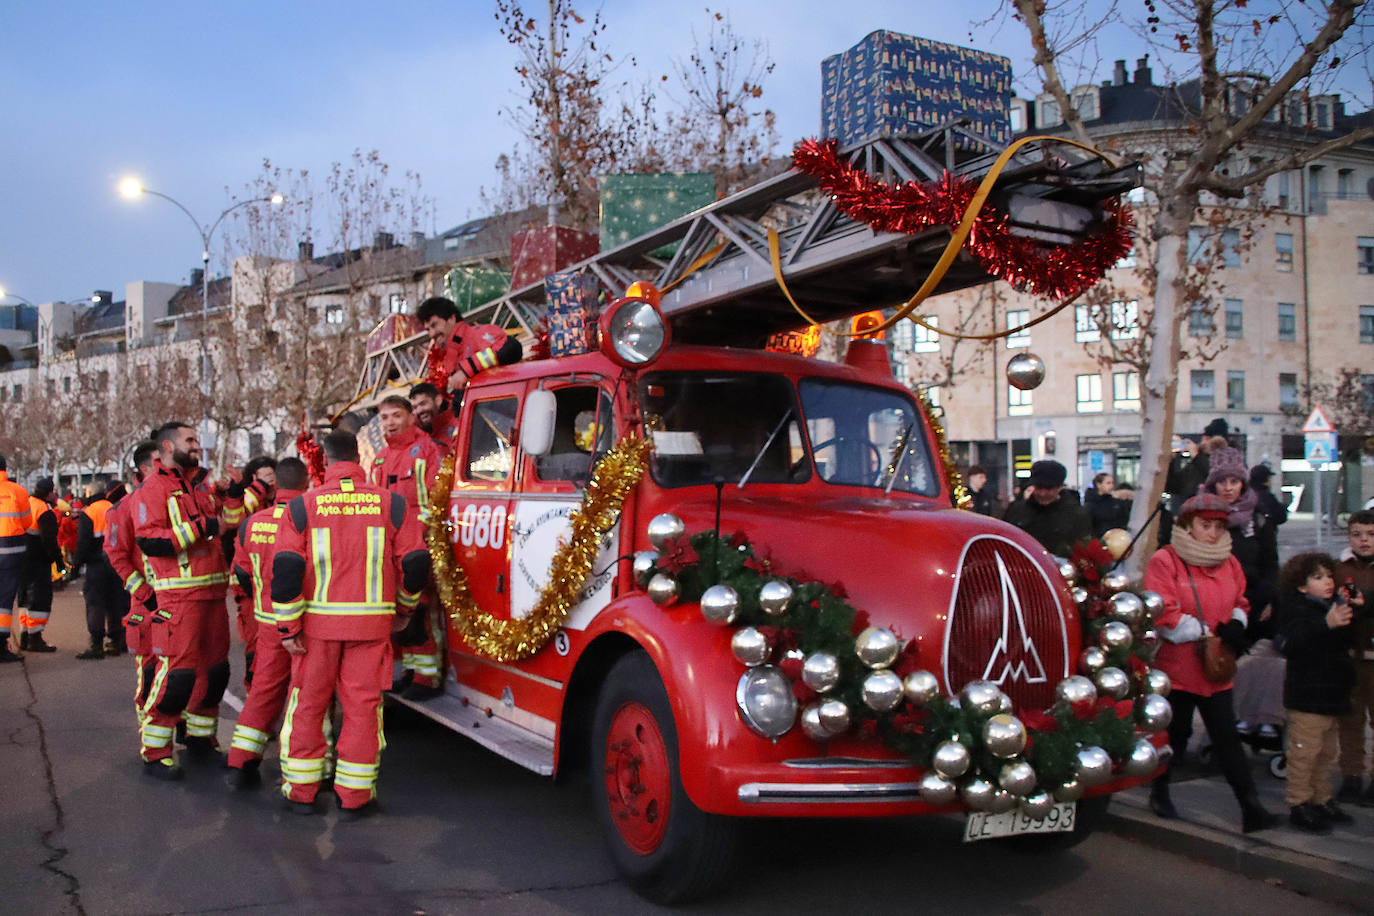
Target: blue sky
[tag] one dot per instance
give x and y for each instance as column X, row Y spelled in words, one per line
column 191, row 96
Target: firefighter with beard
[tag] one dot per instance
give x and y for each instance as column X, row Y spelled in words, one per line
column 335, row 614
column 408, row 465
column 434, row 415
column 466, row 349
column 176, row 525
column 126, row 560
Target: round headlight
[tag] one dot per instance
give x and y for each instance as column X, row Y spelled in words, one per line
column 633, row 333
column 766, row 702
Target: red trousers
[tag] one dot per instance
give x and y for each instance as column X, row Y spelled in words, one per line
column 248, row 632
column 358, row 671
column 191, row 648
column 424, row 658
column 140, row 642
column 271, row 681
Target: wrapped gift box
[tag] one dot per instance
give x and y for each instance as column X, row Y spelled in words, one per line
column 470, row 287
column 632, row 205
column 574, row 307
column 891, row 84
column 535, row 253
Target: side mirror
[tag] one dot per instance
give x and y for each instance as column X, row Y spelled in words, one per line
column 536, row 423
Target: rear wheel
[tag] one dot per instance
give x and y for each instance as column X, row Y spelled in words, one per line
column 666, row 847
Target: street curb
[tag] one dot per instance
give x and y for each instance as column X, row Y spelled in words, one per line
column 1251, row 856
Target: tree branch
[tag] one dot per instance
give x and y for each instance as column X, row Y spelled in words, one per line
column 1030, row 11
column 1236, row 187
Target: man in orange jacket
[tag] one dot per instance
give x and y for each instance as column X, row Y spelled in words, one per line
column 42, row 554
column 14, row 514
column 176, row 525
column 126, row 561
column 466, row 349
column 408, row 465
column 106, row 600
column 335, row 614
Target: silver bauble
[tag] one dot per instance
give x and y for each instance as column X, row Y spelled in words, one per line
column 1004, row 735
column 936, row 790
column 643, row 565
column 1094, row 766
column 1080, row 597
column 811, row 723
column 1143, row 761
column 1115, row 581
column 1025, row 371
column 1158, row 682
column 664, row 527
column 1112, row 682
column 877, row 647
column 920, row 687
column 951, row 759
column 662, row 589
column 1017, row 777
column 1115, row 635
column 1005, row 704
column 834, row 716
column 1091, row 659
column 1153, row 603
column 1002, row 801
column 1127, row 608
column 774, row 597
column 977, row 794
column 882, row 691
column 981, row 697
column 720, row 605
column 1154, row 714
column 750, row 646
column 1037, row 806
column 1075, row 689
column 820, row 671
column 1068, row 571
column 1070, row 791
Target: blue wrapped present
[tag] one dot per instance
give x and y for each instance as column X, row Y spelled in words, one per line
column 573, row 310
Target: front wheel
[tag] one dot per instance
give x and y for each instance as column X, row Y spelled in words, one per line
column 666, row 847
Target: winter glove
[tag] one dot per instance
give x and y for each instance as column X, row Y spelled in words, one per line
column 414, row 632
column 1232, row 634
column 1188, row 630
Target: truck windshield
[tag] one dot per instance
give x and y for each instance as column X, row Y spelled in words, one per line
column 867, row 437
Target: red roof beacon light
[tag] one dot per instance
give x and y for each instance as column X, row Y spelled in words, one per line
column 633, row 333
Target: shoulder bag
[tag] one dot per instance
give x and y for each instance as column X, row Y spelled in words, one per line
column 1218, row 662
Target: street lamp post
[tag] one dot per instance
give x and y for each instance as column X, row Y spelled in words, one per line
column 132, row 187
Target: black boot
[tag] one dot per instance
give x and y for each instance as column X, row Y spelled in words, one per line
column 1160, row 802
column 1253, row 815
column 95, row 651
column 37, row 644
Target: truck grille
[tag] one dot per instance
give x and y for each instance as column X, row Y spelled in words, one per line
column 1006, row 625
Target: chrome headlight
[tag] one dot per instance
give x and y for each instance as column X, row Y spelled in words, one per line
column 633, row 333
column 766, row 702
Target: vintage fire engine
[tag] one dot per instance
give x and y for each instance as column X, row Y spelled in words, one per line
column 690, row 706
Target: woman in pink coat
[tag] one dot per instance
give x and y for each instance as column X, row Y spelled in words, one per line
column 1204, row 593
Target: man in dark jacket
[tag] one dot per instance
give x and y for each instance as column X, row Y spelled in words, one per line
column 1048, row 512
column 984, row 499
column 40, row 555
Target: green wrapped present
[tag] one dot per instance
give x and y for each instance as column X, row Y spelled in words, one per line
column 472, row 287
column 633, row 204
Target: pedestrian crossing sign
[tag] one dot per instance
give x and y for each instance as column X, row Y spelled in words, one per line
column 1320, row 448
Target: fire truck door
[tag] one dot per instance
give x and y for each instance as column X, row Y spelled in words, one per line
column 480, row 503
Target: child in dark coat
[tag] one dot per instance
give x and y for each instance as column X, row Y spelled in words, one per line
column 1315, row 635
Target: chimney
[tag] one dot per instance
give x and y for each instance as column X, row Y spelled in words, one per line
column 383, row 240
column 1119, row 73
column 305, row 250
column 1143, row 76
column 197, row 276
column 417, row 240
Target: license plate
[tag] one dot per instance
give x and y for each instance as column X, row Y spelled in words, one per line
column 982, row 825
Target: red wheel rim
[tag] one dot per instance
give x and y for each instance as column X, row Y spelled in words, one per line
column 639, row 785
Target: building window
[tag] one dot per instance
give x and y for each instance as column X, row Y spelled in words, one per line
column 1199, row 321
column 397, row 304
column 66, row 384
column 451, row 242
column 933, row 395
column 1235, row 389
column 1203, row 389
column 18, row 393
column 1230, row 248
column 1047, row 111
column 1016, row 318
column 1085, row 102
column 1288, row 389
column 1017, row 114
column 1126, row 390
column 1367, row 386
column 1085, row 329
column 1090, row 393
column 1125, row 320
column 1322, row 115
column 1283, row 251
column 901, row 338
column 333, row 314
column 1345, row 184
column 1128, row 260
column 923, row 339
column 1235, row 319
column 1018, row 401
column 1315, row 194
column 1284, row 192
column 1367, row 324
column 1365, row 248
column 1288, row 322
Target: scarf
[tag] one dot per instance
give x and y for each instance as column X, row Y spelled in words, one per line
column 1195, row 553
column 1243, row 512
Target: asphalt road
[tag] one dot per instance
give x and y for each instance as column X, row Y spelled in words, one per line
column 462, row 831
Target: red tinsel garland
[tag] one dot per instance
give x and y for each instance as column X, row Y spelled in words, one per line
column 311, row 453
column 1055, row 271
column 435, row 373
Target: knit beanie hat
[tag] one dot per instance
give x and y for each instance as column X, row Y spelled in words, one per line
column 1226, row 462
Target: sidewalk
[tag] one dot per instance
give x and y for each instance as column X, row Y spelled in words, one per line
column 1338, row 867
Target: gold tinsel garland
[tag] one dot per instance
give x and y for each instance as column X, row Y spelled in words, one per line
column 962, row 498
column 614, row 476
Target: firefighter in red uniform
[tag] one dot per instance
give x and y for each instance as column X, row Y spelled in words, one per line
column 348, row 568
column 14, row 515
column 127, row 562
column 434, row 416
column 176, row 522
column 467, row 349
column 271, row 674
column 408, row 465
column 256, row 487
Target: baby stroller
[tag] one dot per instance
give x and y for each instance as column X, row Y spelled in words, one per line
column 1260, row 716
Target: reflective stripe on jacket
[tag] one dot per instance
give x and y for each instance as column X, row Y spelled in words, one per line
column 14, row 517
column 175, row 525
